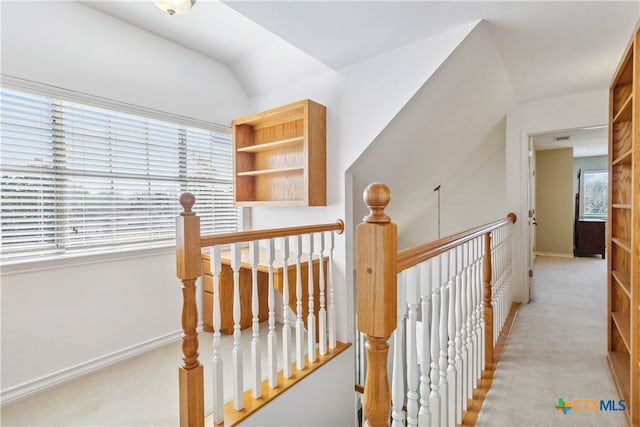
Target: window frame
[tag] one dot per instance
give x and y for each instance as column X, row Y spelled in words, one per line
column 582, row 195
column 124, row 250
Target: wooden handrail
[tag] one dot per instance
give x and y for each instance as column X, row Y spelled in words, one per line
column 409, row 257
column 189, row 244
column 247, row 236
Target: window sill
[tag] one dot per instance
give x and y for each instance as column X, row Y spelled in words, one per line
column 75, row 260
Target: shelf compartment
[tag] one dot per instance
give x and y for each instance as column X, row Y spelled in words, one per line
column 621, row 184
column 620, row 206
column 624, row 243
column 274, row 145
column 622, row 320
column 280, row 156
column 621, row 139
column 621, row 369
column 623, row 86
column 623, row 279
column 624, row 109
column 625, row 158
column 620, row 220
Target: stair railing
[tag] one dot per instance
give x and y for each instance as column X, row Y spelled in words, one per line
column 441, row 304
column 244, row 258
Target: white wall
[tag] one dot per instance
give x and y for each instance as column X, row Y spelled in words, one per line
column 325, row 398
column 546, row 115
column 361, row 100
column 451, row 133
column 62, row 318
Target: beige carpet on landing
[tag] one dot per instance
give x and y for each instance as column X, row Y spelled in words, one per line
column 557, row 349
column 138, row 392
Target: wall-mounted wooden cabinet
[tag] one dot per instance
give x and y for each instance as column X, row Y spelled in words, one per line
column 279, row 156
column 624, row 231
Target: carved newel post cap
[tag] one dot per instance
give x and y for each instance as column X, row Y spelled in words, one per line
column 187, row 200
column 376, row 196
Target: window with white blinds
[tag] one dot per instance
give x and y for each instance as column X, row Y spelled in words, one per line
column 81, row 179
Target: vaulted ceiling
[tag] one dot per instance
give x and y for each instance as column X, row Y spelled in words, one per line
column 548, row 48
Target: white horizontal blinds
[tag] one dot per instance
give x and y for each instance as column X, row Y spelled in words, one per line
column 28, row 188
column 104, row 180
column 209, row 167
column 121, row 176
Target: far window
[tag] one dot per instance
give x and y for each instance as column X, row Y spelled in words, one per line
column 595, row 193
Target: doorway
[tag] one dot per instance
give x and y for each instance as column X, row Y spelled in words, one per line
column 558, row 162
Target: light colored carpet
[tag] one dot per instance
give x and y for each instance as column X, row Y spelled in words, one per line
column 557, row 349
column 141, row 391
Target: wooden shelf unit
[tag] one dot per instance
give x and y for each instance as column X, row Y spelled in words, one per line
column 623, row 240
column 280, row 156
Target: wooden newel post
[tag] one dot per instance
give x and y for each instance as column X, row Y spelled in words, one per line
column 376, row 277
column 488, row 308
column 188, row 270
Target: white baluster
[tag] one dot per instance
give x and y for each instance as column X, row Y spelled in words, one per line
column 460, row 276
column 480, row 255
column 272, row 361
column 397, row 380
column 299, row 321
column 434, row 397
column 465, row 282
column 451, row 346
column 322, row 313
column 424, row 415
column 332, row 305
column 256, row 359
column 444, row 385
column 286, row 328
column 470, row 331
column 412, row 348
column 218, row 369
column 311, row 317
column 475, row 374
column 238, row 385
column 479, row 312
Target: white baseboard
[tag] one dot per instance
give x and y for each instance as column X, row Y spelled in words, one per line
column 555, row 254
column 22, row 390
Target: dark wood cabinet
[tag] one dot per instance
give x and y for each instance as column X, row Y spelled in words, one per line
column 590, row 238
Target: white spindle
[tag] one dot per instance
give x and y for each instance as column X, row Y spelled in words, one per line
column 424, row 415
column 238, row 386
column 311, row 317
column 470, row 331
column 480, row 255
column 272, row 361
column 397, row 379
column 256, row 359
column 460, row 274
column 479, row 311
column 473, row 374
column 434, row 396
column 412, row 348
column 322, row 313
column 299, row 321
column 286, row 328
column 464, row 284
column 218, row 369
column 444, row 386
column 451, row 346
column 332, row 306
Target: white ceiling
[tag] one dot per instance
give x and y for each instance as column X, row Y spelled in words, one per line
column 549, row 48
column 585, row 142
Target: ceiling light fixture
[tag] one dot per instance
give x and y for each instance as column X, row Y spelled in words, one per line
column 175, row 7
